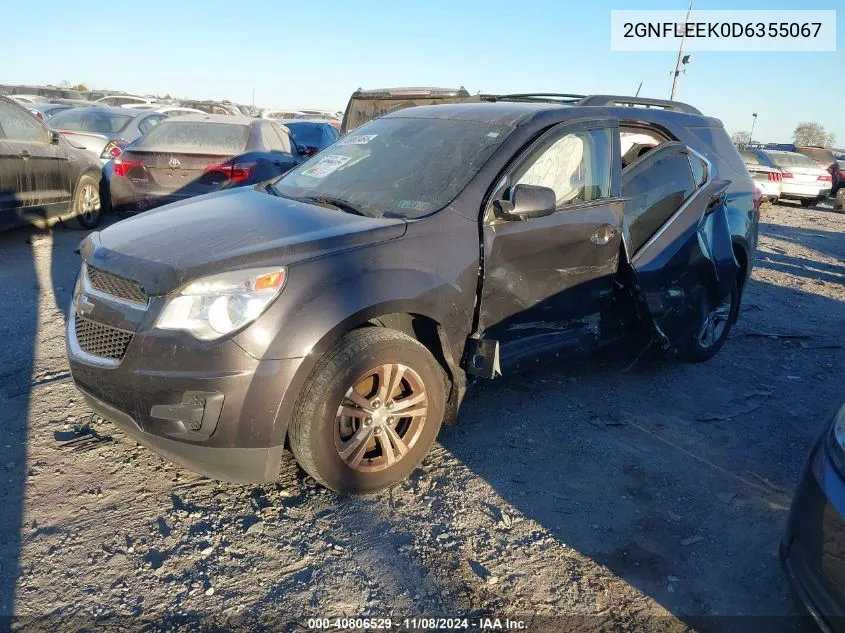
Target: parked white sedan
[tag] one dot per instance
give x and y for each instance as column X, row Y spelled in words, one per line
column 803, row 180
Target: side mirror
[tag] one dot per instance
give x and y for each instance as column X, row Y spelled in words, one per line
column 54, row 137
column 526, row 201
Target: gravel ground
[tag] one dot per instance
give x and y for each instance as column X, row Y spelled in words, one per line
column 596, row 495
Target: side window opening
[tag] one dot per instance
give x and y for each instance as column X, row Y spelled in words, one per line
column 636, row 141
column 576, row 166
column 655, row 190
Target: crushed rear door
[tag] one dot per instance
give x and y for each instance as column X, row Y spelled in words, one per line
column 685, row 269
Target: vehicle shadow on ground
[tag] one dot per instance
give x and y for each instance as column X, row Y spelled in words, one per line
column 672, row 476
column 827, row 243
column 802, row 267
column 37, row 287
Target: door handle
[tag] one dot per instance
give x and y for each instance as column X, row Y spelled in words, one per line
column 25, row 154
column 603, row 235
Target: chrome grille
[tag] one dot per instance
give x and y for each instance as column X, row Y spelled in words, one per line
column 115, row 285
column 101, row 340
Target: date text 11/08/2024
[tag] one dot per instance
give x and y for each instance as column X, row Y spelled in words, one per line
column 416, row 624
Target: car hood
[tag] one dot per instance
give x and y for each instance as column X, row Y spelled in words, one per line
column 228, row 230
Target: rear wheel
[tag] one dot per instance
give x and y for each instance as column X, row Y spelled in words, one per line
column 86, row 206
column 369, row 412
column 714, row 331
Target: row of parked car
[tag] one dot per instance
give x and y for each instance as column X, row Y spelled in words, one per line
column 136, row 159
column 44, row 101
column 789, row 172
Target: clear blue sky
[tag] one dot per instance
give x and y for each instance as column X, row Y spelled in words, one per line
column 314, row 54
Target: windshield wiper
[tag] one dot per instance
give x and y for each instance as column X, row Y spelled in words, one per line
column 339, row 203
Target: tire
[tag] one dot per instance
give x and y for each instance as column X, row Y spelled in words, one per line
column 697, row 351
column 808, row 203
column 319, row 433
column 85, row 205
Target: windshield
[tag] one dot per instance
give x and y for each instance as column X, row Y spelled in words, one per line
column 200, row 137
column 748, row 158
column 306, row 134
column 818, row 154
column 791, row 159
column 90, row 120
column 399, row 167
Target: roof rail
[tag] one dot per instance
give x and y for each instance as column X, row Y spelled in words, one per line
column 617, row 100
column 543, row 97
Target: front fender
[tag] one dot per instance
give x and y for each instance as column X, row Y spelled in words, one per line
column 325, row 298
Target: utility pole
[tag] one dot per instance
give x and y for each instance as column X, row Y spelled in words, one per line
column 682, row 59
column 753, row 123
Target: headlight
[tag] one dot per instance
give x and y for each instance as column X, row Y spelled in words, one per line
column 214, row 306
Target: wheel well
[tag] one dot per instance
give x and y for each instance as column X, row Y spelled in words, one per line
column 742, row 260
column 421, row 328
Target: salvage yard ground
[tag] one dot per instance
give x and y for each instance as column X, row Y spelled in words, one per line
column 629, row 492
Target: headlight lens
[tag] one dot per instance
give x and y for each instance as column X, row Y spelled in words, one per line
column 214, row 306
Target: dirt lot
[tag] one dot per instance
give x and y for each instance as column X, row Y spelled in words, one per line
column 594, row 495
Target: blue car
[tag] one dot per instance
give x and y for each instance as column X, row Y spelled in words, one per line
column 813, row 549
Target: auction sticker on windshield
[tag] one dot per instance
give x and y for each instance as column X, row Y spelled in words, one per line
column 326, row 165
column 358, row 139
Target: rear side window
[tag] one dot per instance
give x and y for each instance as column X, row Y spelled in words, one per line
column 20, row 126
column 90, row 120
column 576, row 165
column 699, row 169
column 195, row 137
column 655, row 190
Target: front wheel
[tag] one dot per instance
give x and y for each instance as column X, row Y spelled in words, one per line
column 369, row 412
column 85, row 206
column 714, row 331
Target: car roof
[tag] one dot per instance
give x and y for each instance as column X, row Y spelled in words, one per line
column 231, row 119
column 113, row 110
column 517, row 112
column 287, row 121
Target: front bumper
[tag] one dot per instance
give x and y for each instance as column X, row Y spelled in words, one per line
column 813, row 548
column 208, row 406
column 239, row 465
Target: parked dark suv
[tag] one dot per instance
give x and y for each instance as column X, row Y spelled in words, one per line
column 346, row 306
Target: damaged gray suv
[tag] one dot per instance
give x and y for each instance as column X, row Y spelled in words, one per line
column 343, row 309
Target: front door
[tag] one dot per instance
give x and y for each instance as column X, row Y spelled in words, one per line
column 678, row 240
column 546, row 280
column 11, row 183
column 45, row 188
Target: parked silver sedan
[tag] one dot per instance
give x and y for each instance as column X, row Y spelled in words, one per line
column 104, row 130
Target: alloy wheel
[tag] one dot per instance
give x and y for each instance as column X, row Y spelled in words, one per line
column 88, row 204
column 380, row 418
column 715, row 323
